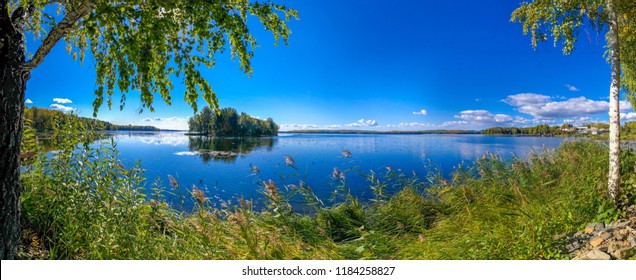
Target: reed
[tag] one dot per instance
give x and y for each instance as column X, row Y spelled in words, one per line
column 81, row 203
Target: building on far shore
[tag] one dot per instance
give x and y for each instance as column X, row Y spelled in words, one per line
column 588, row 130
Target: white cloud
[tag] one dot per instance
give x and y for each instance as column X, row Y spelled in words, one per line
column 176, row 123
column 453, row 123
column 421, row 112
column 359, row 123
column 173, row 119
column 579, row 120
column 62, row 100
column 363, row 122
column 628, row 116
column 571, row 87
column 572, row 107
column 411, row 124
column 486, row 118
column 542, row 121
column 28, row 101
column 544, row 107
column 477, row 99
column 60, row 107
column 298, row 126
column 524, row 99
column 159, row 119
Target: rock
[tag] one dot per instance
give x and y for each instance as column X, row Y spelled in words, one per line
column 605, row 235
column 598, row 255
column 619, row 223
column 614, row 247
column 596, row 241
column 603, row 248
column 623, row 253
column 619, row 235
column 573, row 247
column 632, row 240
column 599, row 226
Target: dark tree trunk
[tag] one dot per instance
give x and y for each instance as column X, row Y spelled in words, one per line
column 12, row 87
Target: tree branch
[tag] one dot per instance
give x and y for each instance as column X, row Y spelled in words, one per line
column 59, row 31
column 20, row 15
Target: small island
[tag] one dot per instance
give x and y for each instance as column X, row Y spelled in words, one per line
column 227, row 122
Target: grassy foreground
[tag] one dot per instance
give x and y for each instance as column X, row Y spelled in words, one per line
column 81, row 203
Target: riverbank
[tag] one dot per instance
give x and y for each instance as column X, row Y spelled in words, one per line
column 494, row 209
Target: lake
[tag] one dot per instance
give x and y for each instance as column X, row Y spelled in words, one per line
column 223, row 167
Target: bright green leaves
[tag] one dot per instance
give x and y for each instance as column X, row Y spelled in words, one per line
column 143, row 45
column 627, row 35
column 561, row 19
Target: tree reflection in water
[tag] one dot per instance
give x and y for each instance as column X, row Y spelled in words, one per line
column 227, row 149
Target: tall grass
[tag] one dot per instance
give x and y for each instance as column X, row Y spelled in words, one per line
column 81, row 203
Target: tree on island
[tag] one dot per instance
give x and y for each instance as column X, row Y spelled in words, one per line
column 564, row 19
column 136, row 45
column 226, row 122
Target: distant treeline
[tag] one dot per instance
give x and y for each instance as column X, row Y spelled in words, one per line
column 628, row 128
column 353, row 131
column 227, row 122
column 43, row 120
column 542, row 129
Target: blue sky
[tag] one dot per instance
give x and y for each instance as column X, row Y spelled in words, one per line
column 377, row 65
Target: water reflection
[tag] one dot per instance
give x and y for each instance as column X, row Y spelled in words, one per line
column 153, row 138
column 226, row 149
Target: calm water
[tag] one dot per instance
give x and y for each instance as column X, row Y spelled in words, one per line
column 222, row 167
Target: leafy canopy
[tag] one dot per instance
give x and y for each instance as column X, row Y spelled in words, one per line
column 142, row 45
column 564, row 20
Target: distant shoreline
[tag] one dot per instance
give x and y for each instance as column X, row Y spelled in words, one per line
column 325, row 131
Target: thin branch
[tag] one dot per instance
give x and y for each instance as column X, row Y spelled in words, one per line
column 59, row 31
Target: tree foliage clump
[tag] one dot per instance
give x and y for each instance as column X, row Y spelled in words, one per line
column 565, row 19
column 227, row 122
column 143, row 45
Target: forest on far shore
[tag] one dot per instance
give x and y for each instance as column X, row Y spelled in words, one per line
column 44, row 121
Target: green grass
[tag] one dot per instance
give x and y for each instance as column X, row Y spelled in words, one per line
column 81, row 203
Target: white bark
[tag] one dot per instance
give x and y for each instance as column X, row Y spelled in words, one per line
column 614, row 177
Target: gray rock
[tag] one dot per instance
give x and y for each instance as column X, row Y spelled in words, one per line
column 573, row 247
column 632, row 240
column 603, row 248
column 599, row 226
column 624, row 253
column 619, row 223
column 598, row 255
column 619, row 236
column 605, row 235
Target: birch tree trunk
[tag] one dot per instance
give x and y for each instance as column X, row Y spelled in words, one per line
column 614, row 177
